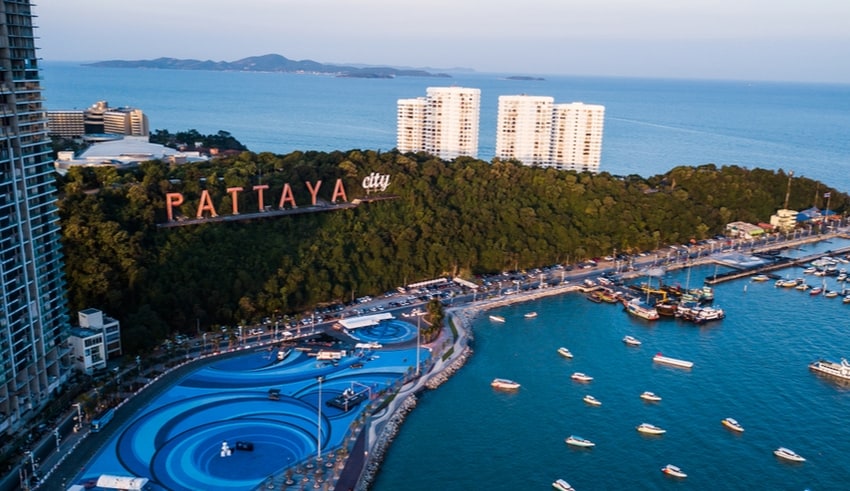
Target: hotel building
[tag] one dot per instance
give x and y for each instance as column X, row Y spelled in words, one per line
column 536, row 131
column 98, row 119
column 33, row 314
column 444, row 123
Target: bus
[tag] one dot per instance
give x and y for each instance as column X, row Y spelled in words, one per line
column 98, row 423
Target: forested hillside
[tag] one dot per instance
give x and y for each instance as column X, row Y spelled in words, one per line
column 463, row 217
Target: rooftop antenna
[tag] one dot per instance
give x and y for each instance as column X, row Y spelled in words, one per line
column 788, row 190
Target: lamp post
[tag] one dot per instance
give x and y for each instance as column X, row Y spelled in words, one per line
column 79, row 424
column 319, row 425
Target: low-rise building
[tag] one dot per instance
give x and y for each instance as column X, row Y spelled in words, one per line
column 743, row 230
column 87, row 350
column 110, row 329
column 784, row 220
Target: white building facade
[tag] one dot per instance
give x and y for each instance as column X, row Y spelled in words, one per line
column 448, row 118
column 87, row 350
column 577, row 136
column 110, row 328
column 524, row 129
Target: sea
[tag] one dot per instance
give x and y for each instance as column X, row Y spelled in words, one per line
column 651, row 125
column 751, row 366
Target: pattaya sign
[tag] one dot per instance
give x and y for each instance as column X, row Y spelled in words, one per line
column 286, row 200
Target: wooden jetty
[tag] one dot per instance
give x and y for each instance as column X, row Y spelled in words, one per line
column 781, row 262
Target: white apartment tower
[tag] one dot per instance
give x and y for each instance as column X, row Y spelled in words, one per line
column 536, row 131
column 577, row 136
column 34, row 357
column 524, row 129
column 448, row 118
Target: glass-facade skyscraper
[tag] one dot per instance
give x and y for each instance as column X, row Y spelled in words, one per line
column 33, row 305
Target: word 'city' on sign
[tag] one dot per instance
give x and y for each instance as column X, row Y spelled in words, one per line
column 207, row 209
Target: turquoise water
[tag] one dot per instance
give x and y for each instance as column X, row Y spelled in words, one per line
column 651, row 125
column 751, row 366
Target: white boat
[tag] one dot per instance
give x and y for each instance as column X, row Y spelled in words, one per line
column 650, row 396
column 640, row 309
column 761, row 277
column 840, row 371
column 578, row 441
column 530, row 315
column 672, row 470
column 592, row 400
column 830, row 294
column 732, row 425
column 562, row 485
column 631, row 341
column 497, row 318
column 788, row 454
column 504, row 384
column 650, row 429
column 666, row 360
column 565, row 352
column 580, row 377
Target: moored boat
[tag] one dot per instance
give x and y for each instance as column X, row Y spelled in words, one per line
column 565, row 352
column 562, row 485
column 631, row 341
column 650, row 396
column 840, row 370
column 666, row 309
column 650, row 429
column 504, row 384
column 578, row 441
column 639, row 309
column 672, row 470
column 732, row 424
column 592, row 400
column 788, row 454
column 761, row 277
column 675, row 362
column 497, row 318
column 581, row 377
column 530, row 315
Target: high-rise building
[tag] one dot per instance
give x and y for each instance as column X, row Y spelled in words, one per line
column 577, row 136
column 33, row 313
column 536, row 131
column 98, row 119
column 446, row 119
column 524, row 129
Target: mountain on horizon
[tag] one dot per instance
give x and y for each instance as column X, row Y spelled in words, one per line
column 269, row 63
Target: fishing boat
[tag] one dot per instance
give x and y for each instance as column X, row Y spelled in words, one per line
column 650, row 396
column 592, row 400
column 666, row 308
column 504, row 384
column 562, row 485
column 530, row 315
column 565, row 352
column 733, row 425
column 674, row 362
column 650, row 429
column 497, row 318
column 581, row 377
column 578, row 441
column 673, row 471
column 631, row 341
column 788, row 454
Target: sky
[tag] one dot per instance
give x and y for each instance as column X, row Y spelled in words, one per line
column 778, row 40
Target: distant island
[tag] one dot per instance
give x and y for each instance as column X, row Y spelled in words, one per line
column 524, row 77
column 269, row 63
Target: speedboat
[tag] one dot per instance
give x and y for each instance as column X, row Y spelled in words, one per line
column 650, row 429
column 530, row 315
column 578, row 441
column 504, row 384
column 788, row 454
column 673, row 471
column 650, row 396
column 497, row 318
column 592, row 400
column 761, row 277
column 562, row 485
column 732, row 425
column 580, row 377
column 666, row 360
column 631, row 341
column 565, row 352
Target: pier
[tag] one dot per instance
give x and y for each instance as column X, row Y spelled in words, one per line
column 781, row 262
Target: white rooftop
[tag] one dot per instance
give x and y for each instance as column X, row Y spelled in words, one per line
column 365, row 320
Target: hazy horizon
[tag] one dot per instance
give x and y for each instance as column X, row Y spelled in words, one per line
column 722, row 39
